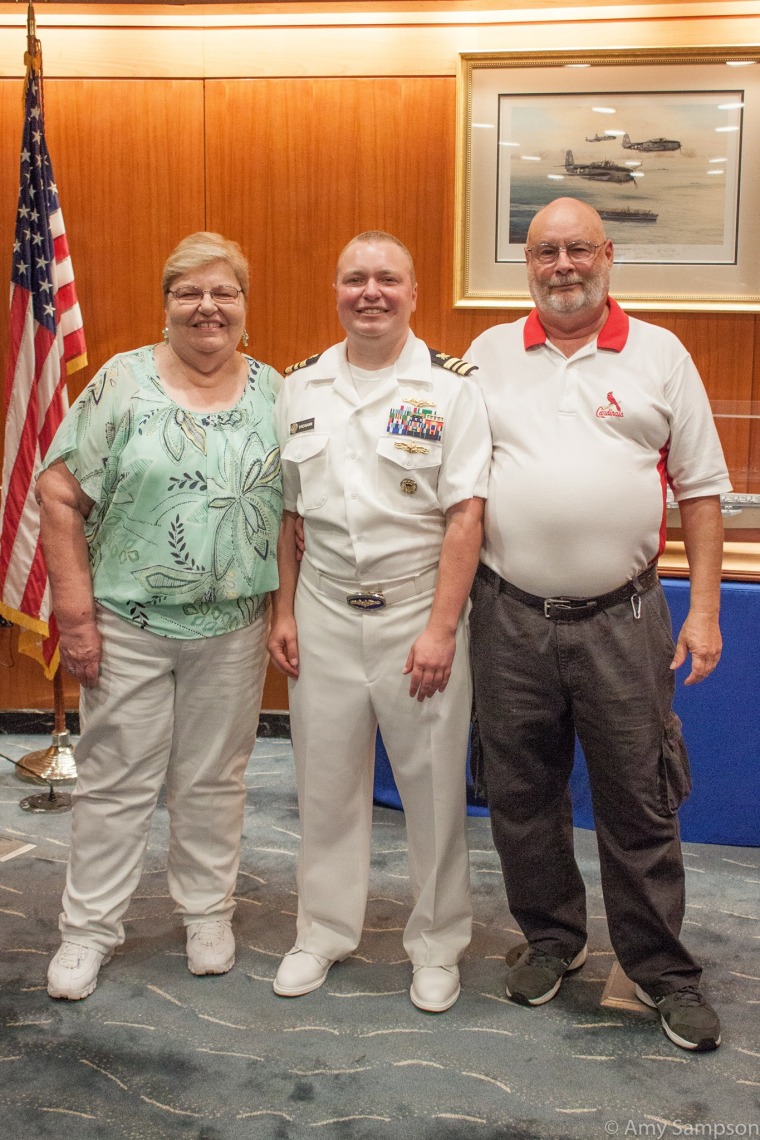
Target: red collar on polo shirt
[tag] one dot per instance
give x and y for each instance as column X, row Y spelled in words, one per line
column 613, row 335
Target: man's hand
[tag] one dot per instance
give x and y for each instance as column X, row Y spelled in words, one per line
column 80, row 653
column 700, row 636
column 429, row 663
column 432, row 654
column 283, row 646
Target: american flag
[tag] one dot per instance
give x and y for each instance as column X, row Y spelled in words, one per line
column 46, row 342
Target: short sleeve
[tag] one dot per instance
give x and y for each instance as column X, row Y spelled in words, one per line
column 696, row 464
column 85, row 438
column 466, row 448
column 269, row 382
column 290, row 480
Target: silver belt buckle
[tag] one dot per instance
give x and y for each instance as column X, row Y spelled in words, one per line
column 365, row 601
column 549, row 603
column 582, row 606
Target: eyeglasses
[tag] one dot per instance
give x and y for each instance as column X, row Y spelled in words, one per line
column 222, row 294
column 579, row 252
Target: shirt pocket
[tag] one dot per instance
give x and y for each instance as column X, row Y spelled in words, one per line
column 306, row 458
column 406, row 480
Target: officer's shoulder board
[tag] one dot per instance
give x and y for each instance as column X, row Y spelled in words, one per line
column 453, row 363
column 302, row 363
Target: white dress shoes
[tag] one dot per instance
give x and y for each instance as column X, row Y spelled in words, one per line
column 73, row 972
column 210, row 947
column 434, row 988
column 301, row 972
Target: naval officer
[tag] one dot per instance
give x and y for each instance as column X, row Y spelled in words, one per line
column 385, row 454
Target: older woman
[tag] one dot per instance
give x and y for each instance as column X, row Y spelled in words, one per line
column 160, row 504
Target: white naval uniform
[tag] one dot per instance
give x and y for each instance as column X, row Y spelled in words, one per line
column 374, row 517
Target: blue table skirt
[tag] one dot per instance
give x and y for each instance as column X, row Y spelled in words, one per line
column 721, row 719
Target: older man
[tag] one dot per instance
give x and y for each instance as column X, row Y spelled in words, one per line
column 385, row 452
column 593, row 413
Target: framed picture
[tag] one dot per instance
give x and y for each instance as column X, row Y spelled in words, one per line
column 661, row 142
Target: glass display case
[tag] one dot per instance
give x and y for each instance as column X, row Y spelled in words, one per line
column 738, row 423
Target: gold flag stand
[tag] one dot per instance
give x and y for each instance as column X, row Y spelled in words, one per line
column 55, row 764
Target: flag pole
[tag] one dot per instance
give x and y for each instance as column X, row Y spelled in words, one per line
column 63, row 353
column 31, row 29
column 56, row 763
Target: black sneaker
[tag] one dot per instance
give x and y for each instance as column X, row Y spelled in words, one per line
column 688, row 1020
column 534, row 977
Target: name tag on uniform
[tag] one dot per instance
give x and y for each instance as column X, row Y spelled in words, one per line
column 302, row 425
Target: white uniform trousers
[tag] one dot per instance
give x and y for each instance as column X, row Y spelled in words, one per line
column 350, row 681
column 181, row 710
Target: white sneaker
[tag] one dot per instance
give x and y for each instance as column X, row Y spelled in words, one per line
column 301, row 972
column 73, row 972
column 434, row 988
column 210, row 947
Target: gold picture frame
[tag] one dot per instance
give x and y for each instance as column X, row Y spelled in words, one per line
column 685, row 218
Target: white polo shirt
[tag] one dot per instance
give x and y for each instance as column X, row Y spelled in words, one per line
column 373, row 477
column 584, row 449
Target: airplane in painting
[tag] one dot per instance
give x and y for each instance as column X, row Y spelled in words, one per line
column 650, row 146
column 598, row 171
column 600, row 138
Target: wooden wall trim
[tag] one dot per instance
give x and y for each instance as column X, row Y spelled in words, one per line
column 144, row 13
column 99, row 42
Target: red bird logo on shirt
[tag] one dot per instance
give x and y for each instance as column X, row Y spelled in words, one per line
column 611, row 408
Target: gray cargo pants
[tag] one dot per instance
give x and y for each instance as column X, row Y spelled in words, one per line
column 538, row 682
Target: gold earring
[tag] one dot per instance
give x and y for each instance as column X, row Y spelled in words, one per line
column 165, row 334
column 245, row 338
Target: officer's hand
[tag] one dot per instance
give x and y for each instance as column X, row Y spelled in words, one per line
column 283, row 646
column 429, row 663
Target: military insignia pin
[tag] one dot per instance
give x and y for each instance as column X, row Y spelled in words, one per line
column 412, row 448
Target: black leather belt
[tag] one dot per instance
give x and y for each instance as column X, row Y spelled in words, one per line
column 571, row 609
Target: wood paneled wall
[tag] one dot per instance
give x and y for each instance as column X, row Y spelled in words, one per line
column 291, row 168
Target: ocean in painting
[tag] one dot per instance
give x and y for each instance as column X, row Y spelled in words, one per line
column 690, row 209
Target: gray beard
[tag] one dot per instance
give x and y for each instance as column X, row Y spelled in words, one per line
column 593, row 294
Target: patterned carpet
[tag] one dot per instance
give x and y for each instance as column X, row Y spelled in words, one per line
column 157, row 1054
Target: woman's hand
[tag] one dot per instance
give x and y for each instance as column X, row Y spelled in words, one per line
column 81, row 653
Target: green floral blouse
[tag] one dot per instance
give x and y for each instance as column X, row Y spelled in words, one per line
column 183, row 533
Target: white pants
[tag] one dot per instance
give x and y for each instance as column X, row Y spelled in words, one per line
column 350, row 681
column 181, row 710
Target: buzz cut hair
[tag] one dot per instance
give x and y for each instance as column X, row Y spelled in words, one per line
column 380, row 235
